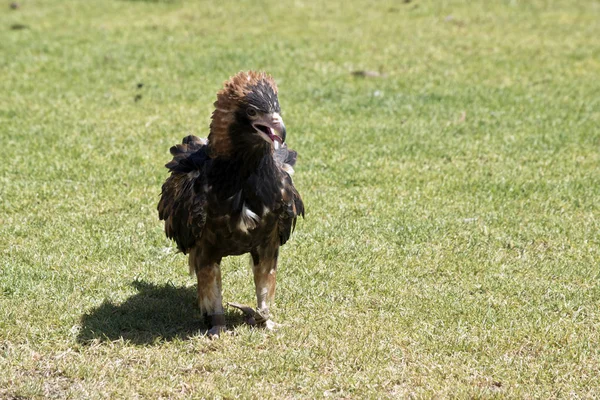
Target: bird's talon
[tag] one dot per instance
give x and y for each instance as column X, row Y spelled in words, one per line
column 216, row 331
column 270, row 325
column 262, row 314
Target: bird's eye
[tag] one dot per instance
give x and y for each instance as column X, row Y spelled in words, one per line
column 251, row 111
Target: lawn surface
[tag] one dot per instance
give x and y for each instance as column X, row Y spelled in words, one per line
column 451, row 246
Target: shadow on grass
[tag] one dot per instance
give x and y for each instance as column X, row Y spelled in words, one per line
column 155, row 314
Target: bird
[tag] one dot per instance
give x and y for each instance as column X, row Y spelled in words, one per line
column 232, row 193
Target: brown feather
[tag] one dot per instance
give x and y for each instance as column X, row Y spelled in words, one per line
column 181, row 206
column 228, row 100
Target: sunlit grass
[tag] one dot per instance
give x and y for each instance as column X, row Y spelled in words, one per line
column 451, row 243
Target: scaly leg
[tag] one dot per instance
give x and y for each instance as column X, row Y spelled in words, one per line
column 210, row 299
column 264, row 267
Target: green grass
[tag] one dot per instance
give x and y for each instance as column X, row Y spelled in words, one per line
column 451, row 246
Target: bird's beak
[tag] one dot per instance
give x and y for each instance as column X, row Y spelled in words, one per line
column 271, row 126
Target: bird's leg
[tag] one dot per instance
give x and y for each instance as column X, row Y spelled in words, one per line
column 264, row 267
column 210, row 300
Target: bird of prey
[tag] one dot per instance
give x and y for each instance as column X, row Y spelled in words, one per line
column 232, row 194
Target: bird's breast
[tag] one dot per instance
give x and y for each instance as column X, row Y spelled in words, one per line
column 237, row 232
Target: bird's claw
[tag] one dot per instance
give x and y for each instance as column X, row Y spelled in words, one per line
column 215, row 331
column 271, row 325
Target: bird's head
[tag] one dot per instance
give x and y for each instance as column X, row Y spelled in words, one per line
column 247, row 116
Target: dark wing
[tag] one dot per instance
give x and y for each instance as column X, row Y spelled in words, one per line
column 292, row 202
column 182, row 202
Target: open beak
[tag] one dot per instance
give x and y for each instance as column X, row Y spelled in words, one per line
column 271, row 127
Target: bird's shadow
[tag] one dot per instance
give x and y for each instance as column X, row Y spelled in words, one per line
column 156, row 313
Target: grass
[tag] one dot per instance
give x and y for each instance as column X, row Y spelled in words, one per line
column 452, row 238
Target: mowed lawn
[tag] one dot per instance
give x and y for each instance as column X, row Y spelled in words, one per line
column 451, row 246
